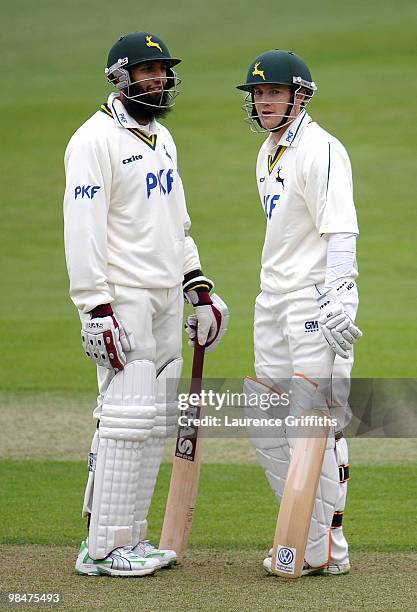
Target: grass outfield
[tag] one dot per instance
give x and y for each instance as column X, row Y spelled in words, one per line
column 212, row 580
column 233, row 528
column 362, row 55
column 235, row 508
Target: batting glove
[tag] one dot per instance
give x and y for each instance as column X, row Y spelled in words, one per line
column 106, row 339
column 209, row 321
column 336, row 325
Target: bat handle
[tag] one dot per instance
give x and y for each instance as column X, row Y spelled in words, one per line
column 197, row 371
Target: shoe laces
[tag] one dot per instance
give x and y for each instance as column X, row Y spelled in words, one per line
column 145, row 546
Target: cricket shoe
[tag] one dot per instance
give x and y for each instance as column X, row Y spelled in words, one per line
column 166, row 558
column 337, row 569
column 120, row 562
column 307, row 569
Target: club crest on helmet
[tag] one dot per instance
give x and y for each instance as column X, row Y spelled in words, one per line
column 151, row 43
column 256, row 71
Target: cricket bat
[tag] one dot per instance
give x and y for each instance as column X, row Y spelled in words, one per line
column 297, row 502
column 185, row 471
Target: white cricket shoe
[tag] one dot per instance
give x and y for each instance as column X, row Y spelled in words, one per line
column 145, row 549
column 337, row 569
column 307, row 569
column 120, row 562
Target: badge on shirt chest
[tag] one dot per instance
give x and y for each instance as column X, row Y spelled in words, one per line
column 279, row 178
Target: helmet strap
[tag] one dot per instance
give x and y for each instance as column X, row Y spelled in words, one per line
column 286, row 117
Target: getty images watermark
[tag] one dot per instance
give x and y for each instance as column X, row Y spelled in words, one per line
column 373, row 408
column 192, row 403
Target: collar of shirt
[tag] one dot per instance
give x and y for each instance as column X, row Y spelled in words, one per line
column 292, row 135
column 123, row 119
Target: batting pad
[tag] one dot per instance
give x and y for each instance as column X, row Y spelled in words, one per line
column 272, row 449
column 339, row 546
column 165, row 425
column 328, row 491
column 126, row 422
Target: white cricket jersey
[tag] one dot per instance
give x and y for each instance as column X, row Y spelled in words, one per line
column 124, row 208
column 305, row 186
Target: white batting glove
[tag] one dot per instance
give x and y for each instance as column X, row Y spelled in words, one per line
column 209, row 321
column 106, row 339
column 336, row 325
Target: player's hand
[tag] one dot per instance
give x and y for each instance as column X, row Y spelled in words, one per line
column 336, row 325
column 106, row 339
column 209, row 321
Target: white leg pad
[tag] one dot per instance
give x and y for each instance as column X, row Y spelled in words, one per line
column 272, row 449
column 92, row 458
column 165, row 425
column 126, row 422
column 275, row 462
column 317, row 550
column 339, row 549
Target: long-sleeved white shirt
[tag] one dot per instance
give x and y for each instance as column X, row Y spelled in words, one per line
column 125, row 214
column 305, row 186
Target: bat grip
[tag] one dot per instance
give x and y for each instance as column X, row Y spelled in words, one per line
column 197, row 370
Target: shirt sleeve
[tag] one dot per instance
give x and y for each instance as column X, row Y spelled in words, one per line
column 341, row 259
column 328, row 188
column 86, row 204
column 191, row 256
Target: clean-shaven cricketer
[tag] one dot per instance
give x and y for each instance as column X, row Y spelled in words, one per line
column 304, row 327
column 130, row 259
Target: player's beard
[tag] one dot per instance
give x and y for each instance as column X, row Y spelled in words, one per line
column 140, row 108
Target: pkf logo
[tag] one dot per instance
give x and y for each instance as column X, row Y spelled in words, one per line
column 270, row 202
column 159, row 180
column 289, row 136
column 88, row 191
column 311, row 326
column 285, row 556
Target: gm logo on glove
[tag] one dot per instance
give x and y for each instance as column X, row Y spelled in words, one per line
column 88, row 191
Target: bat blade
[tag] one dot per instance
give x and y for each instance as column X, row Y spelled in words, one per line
column 297, row 504
column 185, row 473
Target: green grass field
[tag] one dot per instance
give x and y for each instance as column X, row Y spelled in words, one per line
column 362, row 55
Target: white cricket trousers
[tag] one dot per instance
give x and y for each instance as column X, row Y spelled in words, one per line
column 155, row 317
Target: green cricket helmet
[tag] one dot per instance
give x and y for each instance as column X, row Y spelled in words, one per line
column 278, row 67
column 281, row 68
column 134, row 49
